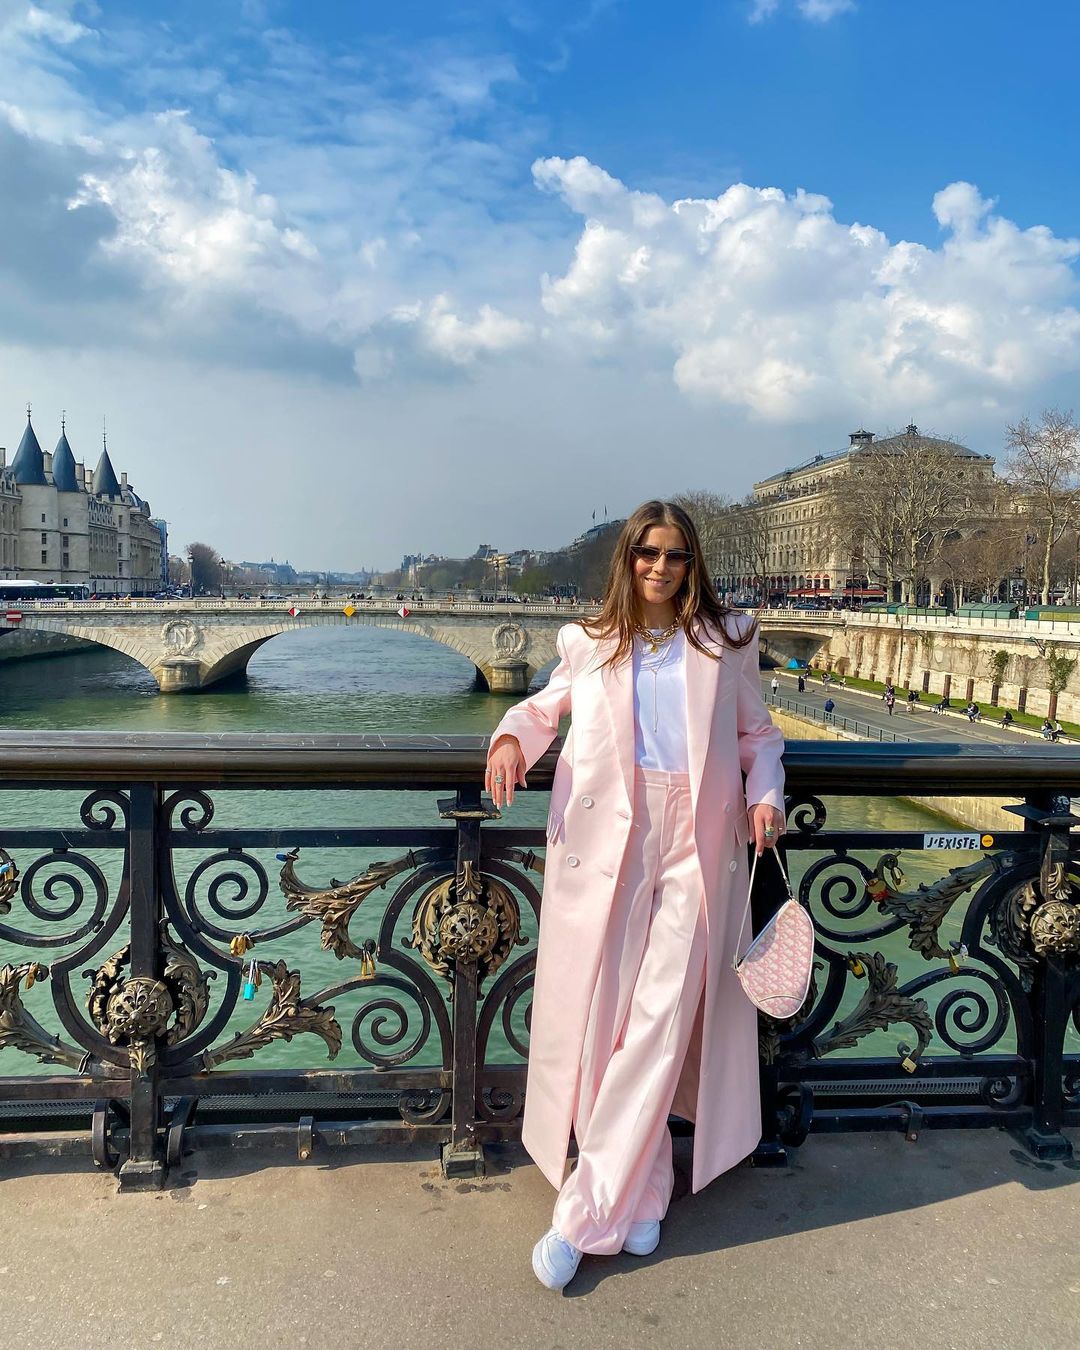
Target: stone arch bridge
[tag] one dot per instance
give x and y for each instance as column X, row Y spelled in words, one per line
column 188, row 645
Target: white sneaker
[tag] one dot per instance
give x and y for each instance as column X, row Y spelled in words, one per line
column 555, row 1261
column 643, row 1238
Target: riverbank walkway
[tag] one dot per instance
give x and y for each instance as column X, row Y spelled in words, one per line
column 957, row 1240
column 921, row 725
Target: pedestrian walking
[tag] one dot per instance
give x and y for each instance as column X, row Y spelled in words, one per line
column 890, row 700
column 830, row 708
column 637, row 1011
column 774, row 685
column 802, row 683
column 912, row 700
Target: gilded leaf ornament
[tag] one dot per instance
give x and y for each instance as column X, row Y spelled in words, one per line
column 334, row 906
column 924, row 908
column 881, row 1006
column 20, row 1031
column 287, row 1015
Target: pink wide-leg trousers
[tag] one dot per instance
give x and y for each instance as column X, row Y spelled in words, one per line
column 649, row 986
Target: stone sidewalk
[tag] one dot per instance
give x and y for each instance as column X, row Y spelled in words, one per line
column 959, row 1240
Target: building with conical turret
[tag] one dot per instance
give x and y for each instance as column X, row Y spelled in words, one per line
column 61, row 523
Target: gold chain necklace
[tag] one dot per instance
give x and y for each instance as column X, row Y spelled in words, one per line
column 652, row 640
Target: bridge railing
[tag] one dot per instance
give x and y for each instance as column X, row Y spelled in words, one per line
column 328, row 605
column 941, row 622
column 311, row 941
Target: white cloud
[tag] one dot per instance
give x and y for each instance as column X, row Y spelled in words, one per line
column 767, row 303
column 817, row 11
column 823, row 10
column 181, row 215
column 463, row 340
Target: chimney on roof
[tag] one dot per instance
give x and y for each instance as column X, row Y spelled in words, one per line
column 123, row 479
column 47, row 456
column 3, row 458
column 860, row 437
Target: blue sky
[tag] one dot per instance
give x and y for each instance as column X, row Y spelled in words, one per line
column 351, row 280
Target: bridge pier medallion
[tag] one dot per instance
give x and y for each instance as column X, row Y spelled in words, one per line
column 509, row 677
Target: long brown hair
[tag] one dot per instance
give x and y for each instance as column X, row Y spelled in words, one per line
column 700, row 610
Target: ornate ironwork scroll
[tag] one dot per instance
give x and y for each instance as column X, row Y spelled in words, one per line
column 9, row 881
column 1028, row 924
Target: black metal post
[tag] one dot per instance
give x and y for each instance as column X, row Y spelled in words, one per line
column 767, row 896
column 144, row 1168
column 1049, row 1005
column 463, row 1156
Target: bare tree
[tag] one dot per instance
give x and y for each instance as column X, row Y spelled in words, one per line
column 708, row 512
column 749, row 535
column 901, row 499
column 1044, row 464
column 983, row 560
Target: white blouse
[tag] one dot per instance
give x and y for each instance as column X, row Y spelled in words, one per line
column 660, row 706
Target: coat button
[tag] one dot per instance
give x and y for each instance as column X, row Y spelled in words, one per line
column 732, row 866
column 573, row 861
column 586, row 802
column 727, row 807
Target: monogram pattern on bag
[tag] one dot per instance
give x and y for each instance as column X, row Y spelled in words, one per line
column 775, row 972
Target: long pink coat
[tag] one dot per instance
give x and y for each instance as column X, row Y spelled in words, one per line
column 729, row 734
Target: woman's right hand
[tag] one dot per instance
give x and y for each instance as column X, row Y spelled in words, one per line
column 505, row 770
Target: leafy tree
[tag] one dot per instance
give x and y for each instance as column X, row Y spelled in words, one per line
column 205, row 565
column 533, row 581
column 1059, row 667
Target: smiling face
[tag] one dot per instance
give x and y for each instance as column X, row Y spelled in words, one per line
column 656, row 584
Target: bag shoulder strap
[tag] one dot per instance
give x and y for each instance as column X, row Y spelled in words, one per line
column 749, row 891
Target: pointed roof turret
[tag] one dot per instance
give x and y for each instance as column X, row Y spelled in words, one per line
column 63, row 464
column 28, row 466
column 105, row 482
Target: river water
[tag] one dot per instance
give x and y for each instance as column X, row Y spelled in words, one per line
column 328, row 680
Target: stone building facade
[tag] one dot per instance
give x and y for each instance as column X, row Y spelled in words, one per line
column 61, row 523
column 803, row 555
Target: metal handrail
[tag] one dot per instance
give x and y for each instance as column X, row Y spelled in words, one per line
column 149, row 859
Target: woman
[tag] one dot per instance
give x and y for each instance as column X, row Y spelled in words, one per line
column 636, row 1008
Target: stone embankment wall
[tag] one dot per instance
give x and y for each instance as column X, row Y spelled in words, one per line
column 20, row 646
column 970, row 813
column 957, row 664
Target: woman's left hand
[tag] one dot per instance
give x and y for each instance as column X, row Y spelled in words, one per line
column 767, row 824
